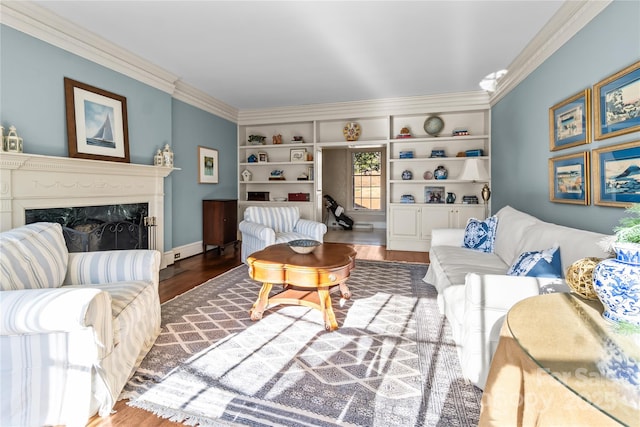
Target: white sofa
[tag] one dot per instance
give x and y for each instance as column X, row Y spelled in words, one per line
column 474, row 292
column 264, row 226
column 73, row 328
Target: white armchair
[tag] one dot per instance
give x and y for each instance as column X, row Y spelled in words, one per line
column 265, row 226
column 73, row 326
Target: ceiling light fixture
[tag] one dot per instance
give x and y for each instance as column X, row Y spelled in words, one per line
column 490, row 82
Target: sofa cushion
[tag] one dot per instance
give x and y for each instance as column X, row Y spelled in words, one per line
column 281, row 219
column 480, row 235
column 545, row 263
column 512, row 226
column 33, row 256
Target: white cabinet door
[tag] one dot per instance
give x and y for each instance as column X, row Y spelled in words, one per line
column 405, row 222
column 463, row 213
column 435, row 217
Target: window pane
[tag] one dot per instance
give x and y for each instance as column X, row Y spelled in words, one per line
column 366, row 174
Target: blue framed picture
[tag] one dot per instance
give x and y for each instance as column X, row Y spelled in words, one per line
column 569, row 179
column 617, row 109
column 616, row 175
column 570, row 122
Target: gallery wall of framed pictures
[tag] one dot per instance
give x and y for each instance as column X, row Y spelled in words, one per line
column 610, row 109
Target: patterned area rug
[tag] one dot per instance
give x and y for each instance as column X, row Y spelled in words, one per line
column 392, row 362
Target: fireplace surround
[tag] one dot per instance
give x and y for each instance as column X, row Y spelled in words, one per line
column 30, row 181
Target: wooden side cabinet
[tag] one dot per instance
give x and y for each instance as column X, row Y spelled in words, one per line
column 219, row 223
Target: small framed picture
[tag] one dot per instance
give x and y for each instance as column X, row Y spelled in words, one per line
column 570, row 122
column 616, row 175
column 298, row 154
column 208, row 165
column 262, row 157
column 569, row 179
column 616, row 103
column 434, row 194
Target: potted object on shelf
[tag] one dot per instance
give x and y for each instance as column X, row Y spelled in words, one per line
column 616, row 281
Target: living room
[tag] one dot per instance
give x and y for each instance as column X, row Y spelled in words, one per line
column 600, row 39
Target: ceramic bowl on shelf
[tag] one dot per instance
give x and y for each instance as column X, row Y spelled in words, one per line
column 279, row 199
column 303, row 246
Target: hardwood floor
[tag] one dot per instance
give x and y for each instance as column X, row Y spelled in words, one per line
column 190, row 272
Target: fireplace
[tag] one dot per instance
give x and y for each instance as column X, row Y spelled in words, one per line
column 32, row 183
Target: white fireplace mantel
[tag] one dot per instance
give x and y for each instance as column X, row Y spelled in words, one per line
column 30, row 181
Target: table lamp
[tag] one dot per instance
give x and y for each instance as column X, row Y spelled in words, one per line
column 473, row 170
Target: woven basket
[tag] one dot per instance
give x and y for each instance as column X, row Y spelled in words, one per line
column 579, row 277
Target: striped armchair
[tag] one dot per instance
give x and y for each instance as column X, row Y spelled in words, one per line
column 265, row 226
column 73, row 326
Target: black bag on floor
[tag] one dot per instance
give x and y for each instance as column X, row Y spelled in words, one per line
column 338, row 212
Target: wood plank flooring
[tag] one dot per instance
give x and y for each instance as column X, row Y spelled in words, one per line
column 190, row 272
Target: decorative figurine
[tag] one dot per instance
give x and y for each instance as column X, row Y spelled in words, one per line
column 252, row 159
column 158, row 159
column 405, row 132
column 167, row 156
column 12, row 141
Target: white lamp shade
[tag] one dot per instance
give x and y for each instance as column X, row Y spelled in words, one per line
column 474, row 170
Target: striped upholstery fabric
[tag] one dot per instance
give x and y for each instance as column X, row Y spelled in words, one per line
column 265, row 226
column 33, row 257
column 67, row 352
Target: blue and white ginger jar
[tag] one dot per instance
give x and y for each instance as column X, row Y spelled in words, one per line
column 616, row 281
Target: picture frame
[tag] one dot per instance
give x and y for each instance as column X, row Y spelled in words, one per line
column 298, row 155
column 97, row 127
column 434, row 195
column 616, row 174
column 263, row 157
column 569, row 179
column 208, row 165
column 570, row 122
column 615, row 103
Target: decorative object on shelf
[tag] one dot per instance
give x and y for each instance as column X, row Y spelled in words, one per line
column 616, row 281
column 256, row 139
column 303, row 246
column 167, row 156
column 470, row 200
column 276, row 139
column 433, row 125
column 158, row 158
column 440, row 172
column 570, row 122
column 427, row 175
column 258, row 196
column 461, row 154
column 277, row 175
column 310, row 172
column 438, row 153
column 460, row 132
column 299, row 197
column 309, row 157
column 246, row 175
column 298, row 155
column 451, row 198
column 297, row 139
column 406, row 154
column 96, row 123
column 616, row 118
column 407, row 174
column 434, row 194
column 262, row 157
column 303, row 177
column 12, row 143
column 569, row 179
column 579, row 277
column 2, row 140
column 616, row 174
column 407, row 198
column 351, row 131
column 208, row 165
column 405, row 132
column 474, row 153
column 252, row 158
column 279, row 199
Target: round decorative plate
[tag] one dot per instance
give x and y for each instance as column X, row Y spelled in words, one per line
column 433, row 125
column 351, row 131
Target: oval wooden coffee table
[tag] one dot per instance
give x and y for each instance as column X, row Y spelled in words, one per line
column 307, row 278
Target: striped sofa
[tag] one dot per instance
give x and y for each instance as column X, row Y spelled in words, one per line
column 264, row 226
column 74, row 326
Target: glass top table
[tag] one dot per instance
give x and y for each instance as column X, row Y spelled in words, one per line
column 567, row 337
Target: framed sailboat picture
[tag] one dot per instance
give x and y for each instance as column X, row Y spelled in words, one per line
column 96, row 123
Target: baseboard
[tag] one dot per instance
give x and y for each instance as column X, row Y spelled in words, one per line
column 185, row 251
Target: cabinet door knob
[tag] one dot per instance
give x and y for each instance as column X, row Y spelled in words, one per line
column 332, row 277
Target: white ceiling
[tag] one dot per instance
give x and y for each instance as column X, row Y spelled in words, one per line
column 266, row 54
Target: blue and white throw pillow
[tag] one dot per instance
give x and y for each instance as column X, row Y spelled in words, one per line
column 480, row 235
column 544, row 263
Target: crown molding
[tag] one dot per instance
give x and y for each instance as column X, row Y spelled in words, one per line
column 199, row 99
column 567, row 22
column 371, row 108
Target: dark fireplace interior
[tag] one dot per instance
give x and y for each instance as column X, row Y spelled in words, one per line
column 99, row 228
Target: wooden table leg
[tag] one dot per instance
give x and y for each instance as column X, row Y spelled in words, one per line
column 261, row 303
column 344, row 290
column 329, row 317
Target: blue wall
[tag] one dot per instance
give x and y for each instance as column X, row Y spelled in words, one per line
column 32, row 99
column 520, row 122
